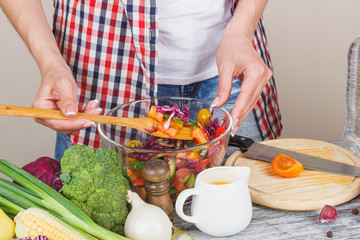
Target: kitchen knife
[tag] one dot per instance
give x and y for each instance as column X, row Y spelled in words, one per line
column 267, row 153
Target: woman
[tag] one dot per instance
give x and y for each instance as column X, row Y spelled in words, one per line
column 119, row 51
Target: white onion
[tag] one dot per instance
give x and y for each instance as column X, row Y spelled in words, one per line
column 146, row 221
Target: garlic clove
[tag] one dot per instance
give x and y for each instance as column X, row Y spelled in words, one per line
column 328, row 214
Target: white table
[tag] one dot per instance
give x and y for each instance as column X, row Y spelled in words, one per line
column 272, row 224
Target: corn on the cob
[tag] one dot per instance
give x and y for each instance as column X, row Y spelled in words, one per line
column 34, row 221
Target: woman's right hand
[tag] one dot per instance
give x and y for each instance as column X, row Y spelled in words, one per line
column 58, row 92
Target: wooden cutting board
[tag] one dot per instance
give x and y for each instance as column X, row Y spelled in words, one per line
column 310, row 190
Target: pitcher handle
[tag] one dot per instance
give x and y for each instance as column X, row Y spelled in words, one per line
column 180, row 201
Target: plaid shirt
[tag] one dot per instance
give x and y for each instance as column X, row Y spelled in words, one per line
column 111, row 47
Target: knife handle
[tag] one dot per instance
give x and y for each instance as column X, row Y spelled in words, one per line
column 241, row 142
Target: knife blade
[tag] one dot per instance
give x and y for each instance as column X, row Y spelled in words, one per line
column 267, row 153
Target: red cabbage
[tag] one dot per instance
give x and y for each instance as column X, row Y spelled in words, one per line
column 206, row 131
column 211, row 128
column 47, row 170
column 182, row 115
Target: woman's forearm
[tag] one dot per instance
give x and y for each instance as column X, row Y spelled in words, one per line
column 246, row 17
column 29, row 20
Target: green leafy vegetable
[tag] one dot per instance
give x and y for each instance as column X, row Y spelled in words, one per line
column 36, row 193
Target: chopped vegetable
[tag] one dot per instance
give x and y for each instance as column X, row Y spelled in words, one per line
column 37, row 193
column 181, row 176
column 199, row 135
column 7, row 226
column 175, row 119
column 220, row 131
column 172, row 166
column 96, row 181
column 153, row 113
column 33, row 222
column 146, row 221
column 134, row 144
column 328, row 214
column 203, row 163
column 171, row 131
column 183, row 115
column 195, row 160
column 286, row 166
column 136, row 178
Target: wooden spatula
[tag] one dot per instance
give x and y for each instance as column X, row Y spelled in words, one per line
column 137, row 123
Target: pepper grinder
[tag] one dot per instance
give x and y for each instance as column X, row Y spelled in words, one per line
column 156, row 173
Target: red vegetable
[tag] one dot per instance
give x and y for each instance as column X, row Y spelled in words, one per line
column 220, row 131
column 180, row 178
column 47, row 170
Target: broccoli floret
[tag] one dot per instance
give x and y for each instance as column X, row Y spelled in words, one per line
column 103, row 219
column 80, row 187
column 97, row 182
column 75, row 158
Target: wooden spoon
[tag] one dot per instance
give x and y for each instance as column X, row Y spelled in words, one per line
column 137, row 123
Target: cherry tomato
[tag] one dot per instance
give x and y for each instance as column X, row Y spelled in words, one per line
column 220, row 131
column 204, row 116
column 286, row 166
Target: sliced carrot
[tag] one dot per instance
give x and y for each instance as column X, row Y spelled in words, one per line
column 199, row 135
column 153, row 113
column 286, row 166
column 194, row 155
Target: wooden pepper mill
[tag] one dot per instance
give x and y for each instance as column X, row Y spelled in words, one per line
column 156, row 173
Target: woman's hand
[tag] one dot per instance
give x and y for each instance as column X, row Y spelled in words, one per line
column 58, row 91
column 58, row 88
column 237, row 57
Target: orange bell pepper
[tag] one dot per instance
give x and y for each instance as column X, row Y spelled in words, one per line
column 199, row 135
column 153, row 113
column 171, row 131
column 135, row 177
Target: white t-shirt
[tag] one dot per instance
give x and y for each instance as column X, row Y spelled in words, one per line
column 189, row 36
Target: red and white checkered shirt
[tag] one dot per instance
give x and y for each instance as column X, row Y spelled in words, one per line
column 111, row 48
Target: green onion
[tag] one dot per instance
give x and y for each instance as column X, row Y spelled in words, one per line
column 53, row 201
column 193, row 123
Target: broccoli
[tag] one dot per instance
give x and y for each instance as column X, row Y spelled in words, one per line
column 97, row 182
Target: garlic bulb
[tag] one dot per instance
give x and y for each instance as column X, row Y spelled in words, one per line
column 146, row 221
column 328, row 214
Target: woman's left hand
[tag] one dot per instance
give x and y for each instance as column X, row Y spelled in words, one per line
column 237, row 58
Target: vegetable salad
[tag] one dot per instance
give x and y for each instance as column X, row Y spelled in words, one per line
column 184, row 165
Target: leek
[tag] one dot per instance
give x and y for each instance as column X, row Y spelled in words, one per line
column 52, row 200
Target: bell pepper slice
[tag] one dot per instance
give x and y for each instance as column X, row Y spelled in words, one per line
column 203, row 163
column 153, row 113
column 220, row 131
column 135, row 177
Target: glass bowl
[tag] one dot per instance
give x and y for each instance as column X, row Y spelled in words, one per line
column 185, row 162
